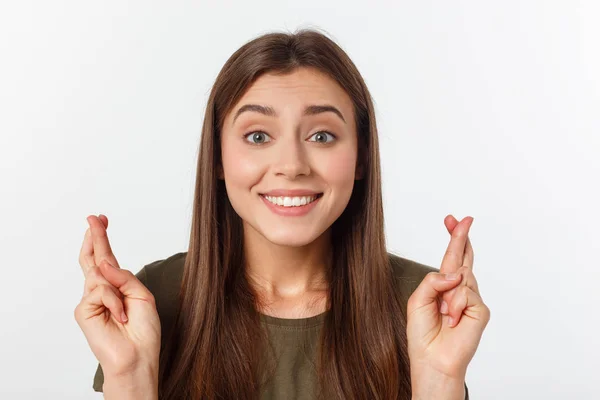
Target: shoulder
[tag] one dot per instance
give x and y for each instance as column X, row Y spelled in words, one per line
column 408, row 270
column 408, row 274
column 163, row 274
column 163, row 279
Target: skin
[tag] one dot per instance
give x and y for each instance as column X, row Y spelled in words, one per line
column 442, row 339
column 287, row 256
column 118, row 317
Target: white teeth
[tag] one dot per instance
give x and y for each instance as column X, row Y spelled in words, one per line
column 291, row 201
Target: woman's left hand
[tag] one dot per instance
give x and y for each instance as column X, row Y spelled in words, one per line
column 442, row 338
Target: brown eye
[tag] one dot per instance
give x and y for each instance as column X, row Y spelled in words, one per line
column 321, row 137
column 257, row 137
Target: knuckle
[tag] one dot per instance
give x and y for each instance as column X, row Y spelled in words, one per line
column 79, row 311
column 466, row 272
column 487, row 313
column 152, row 299
column 104, row 290
column 94, row 276
column 431, row 276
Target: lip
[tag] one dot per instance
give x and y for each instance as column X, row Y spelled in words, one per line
column 291, row 193
column 291, row 211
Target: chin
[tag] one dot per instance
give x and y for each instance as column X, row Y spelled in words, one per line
column 290, row 239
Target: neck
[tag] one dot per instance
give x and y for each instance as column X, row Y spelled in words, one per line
column 284, row 271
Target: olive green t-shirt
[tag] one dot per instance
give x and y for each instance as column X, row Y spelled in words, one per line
column 294, row 341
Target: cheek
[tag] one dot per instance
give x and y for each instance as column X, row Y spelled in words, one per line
column 241, row 168
column 339, row 168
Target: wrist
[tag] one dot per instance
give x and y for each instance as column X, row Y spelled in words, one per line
column 430, row 385
column 139, row 384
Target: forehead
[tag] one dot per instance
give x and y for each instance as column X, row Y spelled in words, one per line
column 302, row 87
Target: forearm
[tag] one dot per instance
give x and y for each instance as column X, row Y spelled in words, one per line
column 140, row 385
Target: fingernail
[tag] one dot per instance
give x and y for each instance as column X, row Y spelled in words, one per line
column 450, row 321
column 123, row 317
column 444, row 307
column 451, row 276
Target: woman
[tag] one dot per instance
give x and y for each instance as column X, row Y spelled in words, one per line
column 286, row 290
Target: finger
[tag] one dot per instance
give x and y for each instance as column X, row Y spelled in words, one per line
column 467, row 303
column 102, row 249
column 468, row 279
column 468, row 260
column 95, row 278
column 86, row 254
column 430, row 288
column 126, row 282
column 450, row 223
column 453, row 258
column 97, row 300
column 104, row 219
column 469, row 256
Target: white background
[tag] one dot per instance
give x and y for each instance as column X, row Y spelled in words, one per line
column 488, row 109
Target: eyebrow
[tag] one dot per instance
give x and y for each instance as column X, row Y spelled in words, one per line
column 269, row 111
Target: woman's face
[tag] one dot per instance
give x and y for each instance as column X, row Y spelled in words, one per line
column 290, row 140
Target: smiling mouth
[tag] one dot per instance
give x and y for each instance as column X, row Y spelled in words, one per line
column 291, row 201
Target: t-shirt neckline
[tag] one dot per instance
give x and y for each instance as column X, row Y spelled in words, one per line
column 307, row 322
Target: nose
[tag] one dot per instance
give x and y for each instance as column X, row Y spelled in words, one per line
column 292, row 159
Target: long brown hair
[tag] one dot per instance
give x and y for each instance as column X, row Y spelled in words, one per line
column 215, row 347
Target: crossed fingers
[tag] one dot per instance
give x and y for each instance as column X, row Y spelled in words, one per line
column 458, row 259
column 96, row 247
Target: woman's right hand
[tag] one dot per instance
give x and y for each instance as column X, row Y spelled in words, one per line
column 117, row 313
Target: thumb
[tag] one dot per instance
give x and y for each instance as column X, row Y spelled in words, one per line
column 433, row 285
column 125, row 281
